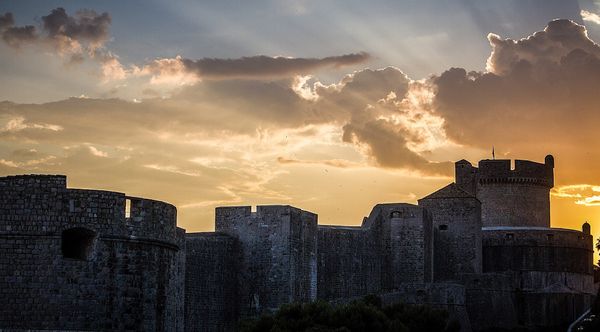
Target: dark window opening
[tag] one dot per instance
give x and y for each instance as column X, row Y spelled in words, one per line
column 550, row 236
column 510, row 236
column 77, row 243
column 443, row 227
column 396, row 214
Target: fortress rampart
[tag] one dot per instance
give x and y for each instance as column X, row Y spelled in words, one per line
column 212, row 288
column 482, row 248
column 537, row 249
column 71, row 259
column 456, row 217
column 278, row 255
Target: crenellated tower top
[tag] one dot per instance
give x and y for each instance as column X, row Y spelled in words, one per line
column 510, row 197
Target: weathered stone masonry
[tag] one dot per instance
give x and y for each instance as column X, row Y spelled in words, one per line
column 71, row 259
column 482, row 248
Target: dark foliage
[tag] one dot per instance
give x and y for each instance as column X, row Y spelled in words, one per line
column 367, row 314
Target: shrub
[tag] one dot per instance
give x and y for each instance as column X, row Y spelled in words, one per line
column 367, row 314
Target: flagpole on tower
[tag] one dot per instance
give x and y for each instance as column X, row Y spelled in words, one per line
column 493, row 153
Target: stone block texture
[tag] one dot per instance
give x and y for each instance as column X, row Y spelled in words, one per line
column 71, row 259
column 278, row 248
column 456, row 217
column 510, row 197
column 211, row 285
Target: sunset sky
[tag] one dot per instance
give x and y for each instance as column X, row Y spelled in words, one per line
column 330, row 106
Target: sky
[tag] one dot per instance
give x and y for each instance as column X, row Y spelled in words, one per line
column 330, row 106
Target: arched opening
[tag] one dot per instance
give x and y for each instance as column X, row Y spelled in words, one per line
column 77, row 243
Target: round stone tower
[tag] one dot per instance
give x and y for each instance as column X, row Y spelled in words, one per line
column 510, row 197
column 74, row 259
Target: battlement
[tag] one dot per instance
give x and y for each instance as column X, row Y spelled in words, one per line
column 40, row 181
column 499, row 171
column 525, row 171
column 224, row 214
column 42, row 204
column 509, row 197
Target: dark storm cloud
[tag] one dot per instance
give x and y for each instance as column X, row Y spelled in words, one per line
column 541, row 92
column 66, row 34
column 15, row 36
column 388, row 145
column 367, row 99
column 266, row 66
column 6, row 20
column 85, row 25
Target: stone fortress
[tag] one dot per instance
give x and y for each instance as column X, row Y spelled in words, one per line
column 481, row 247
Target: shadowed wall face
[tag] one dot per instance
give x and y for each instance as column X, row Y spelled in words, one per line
column 71, row 260
column 510, row 204
column 349, row 262
column 406, row 243
column 211, row 285
column 456, row 232
column 279, row 255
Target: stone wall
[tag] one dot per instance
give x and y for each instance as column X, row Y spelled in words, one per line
column 514, row 204
column 551, row 269
column 448, row 296
column 349, row 263
column 279, row 255
column 456, row 217
column 211, row 284
column 70, row 259
column 411, row 243
column 73, row 259
column 490, row 301
column 536, row 249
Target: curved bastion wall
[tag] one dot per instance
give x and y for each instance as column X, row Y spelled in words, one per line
column 552, row 269
column 87, row 259
column 537, row 249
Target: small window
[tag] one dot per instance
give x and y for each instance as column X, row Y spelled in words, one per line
column 443, row 227
column 510, row 236
column 77, row 243
column 550, row 236
column 396, row 214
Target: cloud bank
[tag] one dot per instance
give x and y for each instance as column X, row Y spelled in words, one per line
column 236, row 126
column 86, row 33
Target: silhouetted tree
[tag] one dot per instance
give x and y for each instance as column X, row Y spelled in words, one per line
column 367, row 314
